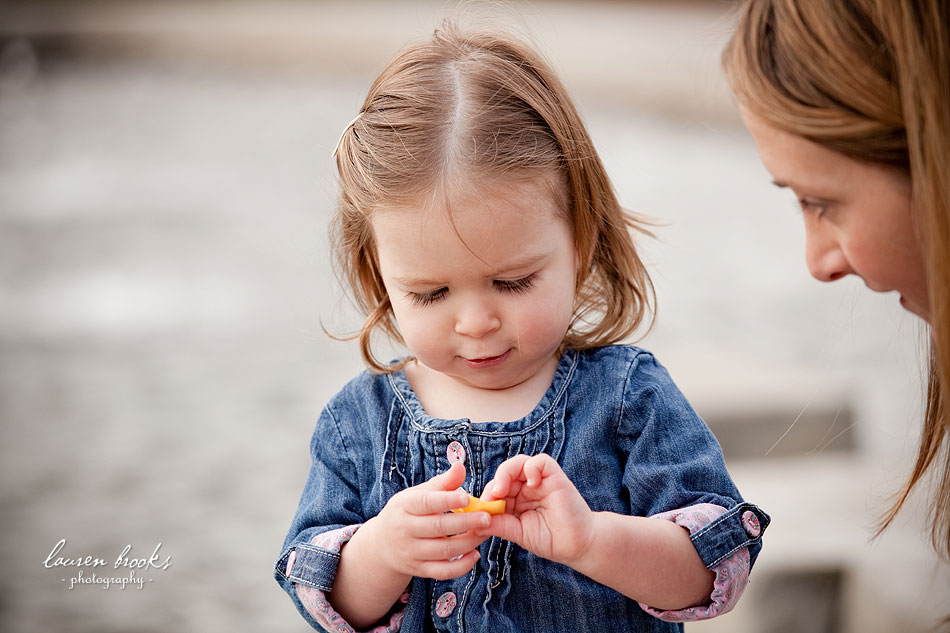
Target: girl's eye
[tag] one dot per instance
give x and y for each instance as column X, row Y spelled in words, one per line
column 426, row 298
column 516, row 285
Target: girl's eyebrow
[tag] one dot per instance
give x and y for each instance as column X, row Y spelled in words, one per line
column 516, row 264
column 417, row 281
column 524, row 262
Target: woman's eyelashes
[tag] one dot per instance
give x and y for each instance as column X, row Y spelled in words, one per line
column 812, row 205
column 522, row 285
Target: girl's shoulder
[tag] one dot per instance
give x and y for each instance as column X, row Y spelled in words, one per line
column 630, row 365
column 626, row 357
column 367, row 391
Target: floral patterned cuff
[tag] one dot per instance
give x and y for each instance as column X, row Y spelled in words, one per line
column 732, row 574
column 315, row 601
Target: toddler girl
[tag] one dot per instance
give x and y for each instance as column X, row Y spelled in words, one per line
column 478, row 228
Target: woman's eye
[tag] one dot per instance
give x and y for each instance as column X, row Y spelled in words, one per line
column 426, row 298
column 516, row 285
column 807, row 204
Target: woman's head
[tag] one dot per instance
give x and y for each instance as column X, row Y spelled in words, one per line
column 451, row 118
column 864, row 85
column 857, row 214
column 868, row 80
column 819, row 92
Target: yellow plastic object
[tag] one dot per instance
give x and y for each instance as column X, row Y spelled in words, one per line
column 477, row 505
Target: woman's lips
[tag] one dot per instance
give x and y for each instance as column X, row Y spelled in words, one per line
column 487, row 362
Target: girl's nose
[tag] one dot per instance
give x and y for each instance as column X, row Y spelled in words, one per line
column 824, row 256
column 477, row 319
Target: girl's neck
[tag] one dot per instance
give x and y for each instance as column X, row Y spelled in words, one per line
column 445, row 397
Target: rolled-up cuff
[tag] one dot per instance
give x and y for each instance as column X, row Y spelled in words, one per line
column 317, row 605
column 732, row 573
column 314, row 564
column 324, row 549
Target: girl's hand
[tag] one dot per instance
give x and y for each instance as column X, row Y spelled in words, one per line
column 416, row 535
column 545, row 514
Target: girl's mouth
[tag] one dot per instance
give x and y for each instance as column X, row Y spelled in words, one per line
column 487, row 362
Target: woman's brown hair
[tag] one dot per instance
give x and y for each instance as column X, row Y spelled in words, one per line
column 870, row 79
column 468, row 107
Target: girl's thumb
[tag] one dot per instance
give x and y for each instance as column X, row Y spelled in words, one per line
column 450, row 479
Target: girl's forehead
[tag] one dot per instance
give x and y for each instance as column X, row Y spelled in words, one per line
column 483, row 199
column 490, row 228
column 473, row 217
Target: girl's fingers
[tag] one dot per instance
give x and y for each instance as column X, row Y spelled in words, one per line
column 447, row 569
column 439, row 494
column 503, row 526
column 448, row 524
column 488, row 494
column 538, row 467
column 445, row 548
column 507, row 473
column 436, row 502
column 449, row 480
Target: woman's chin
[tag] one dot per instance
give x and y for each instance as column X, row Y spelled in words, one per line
column 915, row 309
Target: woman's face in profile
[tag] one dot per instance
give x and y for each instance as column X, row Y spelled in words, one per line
column 857, row 215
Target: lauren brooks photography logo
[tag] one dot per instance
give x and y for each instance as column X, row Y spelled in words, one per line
column 123, row 570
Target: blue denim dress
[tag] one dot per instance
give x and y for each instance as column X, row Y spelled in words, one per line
column 612, row 418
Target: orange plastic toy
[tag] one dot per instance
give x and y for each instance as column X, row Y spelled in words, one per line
column 477, row 505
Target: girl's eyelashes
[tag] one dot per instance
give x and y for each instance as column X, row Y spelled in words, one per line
column 423, row 299
column 426, row 298
column 516, row 285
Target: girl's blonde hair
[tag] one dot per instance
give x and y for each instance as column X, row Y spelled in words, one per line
column 486, row 106
column 870, row 79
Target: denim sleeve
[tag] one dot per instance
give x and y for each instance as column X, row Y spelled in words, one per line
column 330, row 501
column 674, row 461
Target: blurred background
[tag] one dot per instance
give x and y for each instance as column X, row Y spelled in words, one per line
column 165, row 186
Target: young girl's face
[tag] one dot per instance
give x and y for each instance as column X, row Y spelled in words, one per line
column 487, row 301
column 858, row 218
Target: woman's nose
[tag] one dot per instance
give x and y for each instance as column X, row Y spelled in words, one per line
column 477, row 319
column 824, row 256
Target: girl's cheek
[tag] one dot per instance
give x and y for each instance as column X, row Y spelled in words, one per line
column 419, row 334
column 543, row 323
